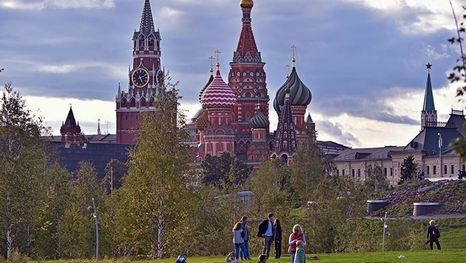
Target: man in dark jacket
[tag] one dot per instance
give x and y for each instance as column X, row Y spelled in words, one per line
column 266, row 231
column 433, row 234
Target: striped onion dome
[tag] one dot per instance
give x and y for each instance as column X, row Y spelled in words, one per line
column 218, row 94
column 207, row 84
column 202, row 121
column 259, row 121
column 300, row 95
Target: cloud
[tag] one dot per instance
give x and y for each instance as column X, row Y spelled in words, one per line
column 62, row 4
column 414, row 16
column 335, row 130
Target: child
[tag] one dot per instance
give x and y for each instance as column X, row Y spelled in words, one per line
column 262, row 259
column 300, row 257
column 231, row 258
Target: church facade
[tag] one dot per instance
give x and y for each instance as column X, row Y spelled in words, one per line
column 234, row 117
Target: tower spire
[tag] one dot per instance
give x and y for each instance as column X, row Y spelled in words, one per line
column 247, row 48
column 428, row 96
column 147, row 22
column 293, row 59
column 428, row 113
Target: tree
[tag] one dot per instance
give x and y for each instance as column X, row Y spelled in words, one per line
column 375, row 182
column 309, row 167
column 115, row 171
column 224, row 171
column 76, row 229
column 408, row 169
column 458, row 74
column 271, row 186
column 154, row 201
column 24, row 163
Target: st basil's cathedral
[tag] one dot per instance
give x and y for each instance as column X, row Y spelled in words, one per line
column 234, row 117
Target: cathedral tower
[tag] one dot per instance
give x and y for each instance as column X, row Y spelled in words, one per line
column 145, row 77
column 248, row 79
column 428, row 113
column 300, row 98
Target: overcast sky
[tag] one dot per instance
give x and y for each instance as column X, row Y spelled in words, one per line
column 364, row 60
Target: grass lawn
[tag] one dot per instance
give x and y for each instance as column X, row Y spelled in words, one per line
column 426, row 256
column 453, row 243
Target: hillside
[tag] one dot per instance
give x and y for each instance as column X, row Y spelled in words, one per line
column 452, row 194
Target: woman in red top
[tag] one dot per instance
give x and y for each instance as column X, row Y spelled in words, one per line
column 297, row 234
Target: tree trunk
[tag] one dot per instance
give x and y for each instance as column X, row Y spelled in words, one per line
column 9, row 238
column 160, row 233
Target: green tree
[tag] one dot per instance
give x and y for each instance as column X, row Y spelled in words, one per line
column 24, row 163
column 224, row 171
column 375, row 182
column 270, row 185
column 77, row 229
column 115, row 171
column 307, row 169
column 408, row 169
column 154, row 203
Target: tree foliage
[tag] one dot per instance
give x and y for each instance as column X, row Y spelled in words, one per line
column 408, row 169
column 224, row 171
column 153, row 203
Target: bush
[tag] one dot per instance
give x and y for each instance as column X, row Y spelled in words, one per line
column 17, row 257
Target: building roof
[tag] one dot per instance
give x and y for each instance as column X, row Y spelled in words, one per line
column 218, row 93
column 259, row 121
column 428, row 96
column 300, row 95
column 147, row 22
column 98, row 154
column 367, row 154
column 70, row 121
column 427, row 140
column 457, row 121
column 246, row 51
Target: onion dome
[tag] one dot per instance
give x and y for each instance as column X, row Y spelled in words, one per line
column 259, row 121
column 218, row 93
column 300, row 95
column 208, row 83
column 202, row 121
column 247, row 3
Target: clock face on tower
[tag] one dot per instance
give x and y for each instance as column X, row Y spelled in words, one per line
column 140, row 77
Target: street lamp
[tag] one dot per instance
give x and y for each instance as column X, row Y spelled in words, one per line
column 385, row 232
column 94, row 214
column 440, row 144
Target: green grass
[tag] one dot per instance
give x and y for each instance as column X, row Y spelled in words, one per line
column 453, row 243
column 425, row 256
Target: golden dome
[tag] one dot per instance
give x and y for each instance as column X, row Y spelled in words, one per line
column 247, row 3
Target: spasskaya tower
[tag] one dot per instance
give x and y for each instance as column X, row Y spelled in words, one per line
column 145, row 77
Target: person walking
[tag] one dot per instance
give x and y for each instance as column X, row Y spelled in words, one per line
column 244, row 225
column 238, row 240
column 266, row 231
column 433, row 234
column 297, row 235
column 277, row 238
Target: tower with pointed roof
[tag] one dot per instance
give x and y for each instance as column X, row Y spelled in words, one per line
column 428, row 113
column 145, row 77
column 71, row 131
column 248, row 79
column 285, row 143
column 300, row 98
